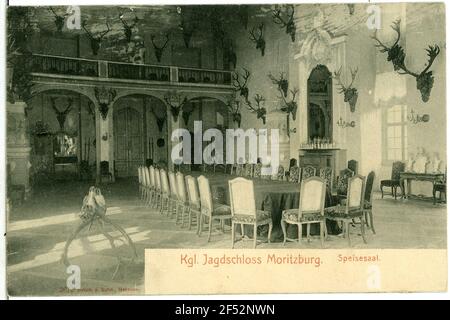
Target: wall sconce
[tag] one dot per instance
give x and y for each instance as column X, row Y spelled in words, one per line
column 294, row 130
column 105, row 137
column 344, row 124
column 416, row 118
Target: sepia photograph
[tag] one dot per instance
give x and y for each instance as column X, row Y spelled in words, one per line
column 149, row 147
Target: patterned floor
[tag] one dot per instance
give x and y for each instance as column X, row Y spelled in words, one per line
column 37, row 231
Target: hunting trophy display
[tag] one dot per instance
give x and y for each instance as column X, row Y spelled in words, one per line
column 350, row 93
column 96, row 41
column 259, row 110
column 396, row 54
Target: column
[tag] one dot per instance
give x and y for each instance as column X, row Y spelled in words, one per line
column 18, row 146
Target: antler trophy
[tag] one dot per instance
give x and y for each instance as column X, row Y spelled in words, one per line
column 61, row 115
column 175, row 101
column 242, row 88
column 259, row 39
column 95, row 41
column 234, row 107
column 290, row 107
column 128, row 28
column 350, row 93
column 59, row 20
column 396, row 54
column 104, row 98
column 159, row 50
column 281, row 82
column 259, row 109
column 289, row 24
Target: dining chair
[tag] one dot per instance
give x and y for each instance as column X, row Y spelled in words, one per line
column 240, row 169
column 182, row 203
column 394, row 183
column 194, row 202
column 165, row 192
column 353, row 208
column 342, row 183
column 153, row 185
column 158, row 189
column 353, row 165
column 368, row 215
column 308, row 172
column 173, row 198
column 243, row 209
column 141, row 183
column 441, row 187
column 280, row 173
column 148, row 185
column 208, row 210
column 294, row 174
column 248, row 170
column 310, row 210
column 257, row 170
column 326, row 173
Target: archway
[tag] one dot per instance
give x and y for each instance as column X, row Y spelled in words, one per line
column 61, row 123
column 320, row 104
column 140, row 133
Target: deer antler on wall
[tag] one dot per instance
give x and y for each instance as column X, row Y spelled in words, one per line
column 128, row 28
column 290, row 107
column 258, row 109
column 59, row 20
column 259, row 39
column 281, row 82
column 289, row 23
column 350, row 93
column 96, row 41
column 188, row 24
column 396, row 54
column 234, row 107
column 61, row 116
column 159, row 49
column 104, row 98
column 241, row 87
column 175, row 101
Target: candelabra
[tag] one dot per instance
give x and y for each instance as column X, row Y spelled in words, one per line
column 416, row 118
column 344, row 124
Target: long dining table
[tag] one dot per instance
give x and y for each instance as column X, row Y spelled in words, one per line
column 270, row 195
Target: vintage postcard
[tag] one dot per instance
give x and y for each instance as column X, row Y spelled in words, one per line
column 226, row 149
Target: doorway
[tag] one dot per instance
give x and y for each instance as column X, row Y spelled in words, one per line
column 128, row 141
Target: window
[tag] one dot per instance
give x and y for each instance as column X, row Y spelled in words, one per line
column 396, row 133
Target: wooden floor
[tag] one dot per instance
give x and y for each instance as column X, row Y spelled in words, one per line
column 38, row 229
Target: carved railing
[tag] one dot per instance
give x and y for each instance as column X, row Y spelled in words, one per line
column 65, row 66
column 118, row 70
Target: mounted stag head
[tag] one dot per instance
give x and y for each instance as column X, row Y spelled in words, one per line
column 289, row 23
column 259, row 110
column 104, row 98
column 61, row 115
column 176, row 102
column 350, row 93
column 187, row 26
column 160, row 121
column 290, row 107
column 424, row 79
column 128, row 28
column 242, row 88
column 259, row 39
column 159, row 50
column 234, row 107
column 59, row 20
column 97, row 40
column 281, row 82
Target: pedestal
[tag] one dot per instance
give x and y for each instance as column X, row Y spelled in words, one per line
column 18, row 147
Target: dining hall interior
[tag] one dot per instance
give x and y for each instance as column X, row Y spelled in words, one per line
column 357, row 93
